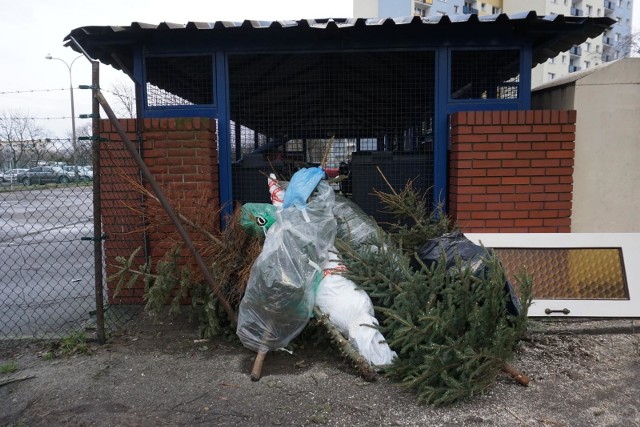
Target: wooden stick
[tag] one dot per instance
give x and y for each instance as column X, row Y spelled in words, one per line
column 256, row 372
column 516, row 375
column 15, row 380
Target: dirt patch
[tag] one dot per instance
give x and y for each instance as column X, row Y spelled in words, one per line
column 583, row 373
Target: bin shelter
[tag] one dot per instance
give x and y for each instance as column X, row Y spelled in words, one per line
column 365, row 94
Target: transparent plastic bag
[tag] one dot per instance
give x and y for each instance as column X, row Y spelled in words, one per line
column 280, row 293
column 354, row 225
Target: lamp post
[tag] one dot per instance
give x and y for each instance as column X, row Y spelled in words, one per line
column 73, row 112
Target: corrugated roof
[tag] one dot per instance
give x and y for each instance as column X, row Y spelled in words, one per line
column 550, row 35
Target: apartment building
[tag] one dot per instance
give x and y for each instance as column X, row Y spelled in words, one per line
column 614, row 44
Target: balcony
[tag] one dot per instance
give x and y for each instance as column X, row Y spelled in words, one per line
column 576, row 12
column 575, row 51
column 573, row 68
column 469, row 9
column 609, row 7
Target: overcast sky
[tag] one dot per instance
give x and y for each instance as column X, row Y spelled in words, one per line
column 30, row 29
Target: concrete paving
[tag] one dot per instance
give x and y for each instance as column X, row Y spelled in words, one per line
column 46, row 270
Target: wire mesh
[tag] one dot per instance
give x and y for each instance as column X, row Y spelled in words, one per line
column 189, row 76
column 361, row 115
column 47, row 263
column 485, row 74
column 46, row 285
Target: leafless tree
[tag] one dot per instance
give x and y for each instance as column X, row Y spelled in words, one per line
column 628, row 46
column 124, row 93
column 83, row 147
column 21, row 138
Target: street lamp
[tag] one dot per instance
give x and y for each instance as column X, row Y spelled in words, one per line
column 73, row 112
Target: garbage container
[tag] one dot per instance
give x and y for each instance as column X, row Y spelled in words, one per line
column 397, row 168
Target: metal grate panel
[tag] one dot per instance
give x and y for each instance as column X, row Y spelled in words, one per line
column 189, row 76
column 485, row 74
column 293, row 110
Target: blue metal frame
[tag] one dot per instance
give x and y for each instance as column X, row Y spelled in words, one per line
column 444, row 106
column 201, row 110
column 224, row 135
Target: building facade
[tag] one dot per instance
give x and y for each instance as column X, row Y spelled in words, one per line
column 614, row 44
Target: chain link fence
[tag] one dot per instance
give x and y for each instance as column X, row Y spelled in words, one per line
column 47, row 248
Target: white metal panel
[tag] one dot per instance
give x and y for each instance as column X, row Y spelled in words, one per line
column 629, row 244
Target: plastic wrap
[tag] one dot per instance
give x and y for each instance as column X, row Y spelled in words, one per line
column 350, row 310
column 354, row 225
column 280, row 293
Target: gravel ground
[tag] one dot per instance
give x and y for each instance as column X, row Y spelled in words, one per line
column 583, row 373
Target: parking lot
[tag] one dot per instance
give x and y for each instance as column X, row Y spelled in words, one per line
column 47, row 271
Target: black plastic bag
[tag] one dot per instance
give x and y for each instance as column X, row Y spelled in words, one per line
column 457, row 245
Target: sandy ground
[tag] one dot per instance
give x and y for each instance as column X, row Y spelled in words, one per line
column 583, row 373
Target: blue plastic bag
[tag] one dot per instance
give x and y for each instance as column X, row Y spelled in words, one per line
column 301, row 186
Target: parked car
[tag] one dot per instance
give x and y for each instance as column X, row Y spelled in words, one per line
column 79, row 173
column 86, row 173
column 11, row 175
column 43, row 175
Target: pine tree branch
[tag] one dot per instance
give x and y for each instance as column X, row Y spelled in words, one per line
column 367, row 373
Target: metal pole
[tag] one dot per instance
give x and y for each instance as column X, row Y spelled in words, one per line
column 167, row 207
column 97, row 207
column 74, row 142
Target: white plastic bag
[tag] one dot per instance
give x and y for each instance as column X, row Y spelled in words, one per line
column 351, row 311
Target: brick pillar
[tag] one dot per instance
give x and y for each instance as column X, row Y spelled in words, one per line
column 512, row 171
column 181, row 153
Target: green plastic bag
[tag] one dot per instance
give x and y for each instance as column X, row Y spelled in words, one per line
column 256, row 218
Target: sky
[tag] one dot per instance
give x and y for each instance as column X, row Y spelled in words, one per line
column 33, row 86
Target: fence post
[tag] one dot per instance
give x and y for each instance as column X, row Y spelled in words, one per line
column 97, row 208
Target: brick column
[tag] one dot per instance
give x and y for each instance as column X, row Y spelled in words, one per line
column 181, row 153
column 512, row 171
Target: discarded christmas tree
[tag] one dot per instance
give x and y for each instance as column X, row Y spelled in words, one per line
column 450, row 328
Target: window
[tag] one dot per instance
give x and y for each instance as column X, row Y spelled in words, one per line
column 589, row 10
column 551, row 76
column 587, row 64
column 552, row 60
column 483, row 7
column 617, row 37
column 588, row 46
column 495, row 10
column 456, row 9
column 564, row 59
column 599, row 12
column 598, row 48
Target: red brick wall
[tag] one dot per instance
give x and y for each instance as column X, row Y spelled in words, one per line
column 512, row 171
column 181, row 153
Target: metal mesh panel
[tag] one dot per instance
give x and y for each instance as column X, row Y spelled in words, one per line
column 47, row 271
column 485, row 74
column 355, row 111
column 190, row 76
column 581, row 273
